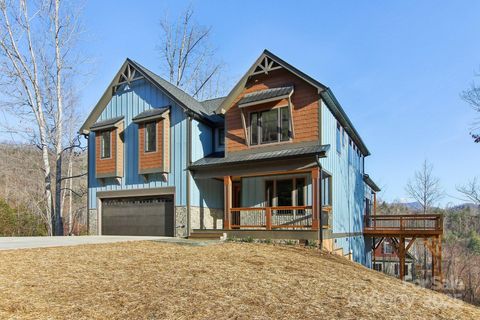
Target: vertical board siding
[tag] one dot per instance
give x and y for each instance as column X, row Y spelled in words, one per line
column 204, row 192
column 129, row 102
column 348, row 188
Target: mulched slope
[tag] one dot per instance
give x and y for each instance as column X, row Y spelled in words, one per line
column 147, row 280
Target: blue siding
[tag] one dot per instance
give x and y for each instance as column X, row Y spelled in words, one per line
column 348, row 188
column 128, row 102
column 204, row 192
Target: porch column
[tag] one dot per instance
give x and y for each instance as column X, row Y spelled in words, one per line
column 227, row 193
column 315, row 198
column 375, row 204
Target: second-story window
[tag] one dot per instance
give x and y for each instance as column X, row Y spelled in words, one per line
column 270, row 126
column 106, row 144
column 150, row 136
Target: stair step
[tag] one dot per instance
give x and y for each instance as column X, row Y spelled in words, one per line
column 206, row 235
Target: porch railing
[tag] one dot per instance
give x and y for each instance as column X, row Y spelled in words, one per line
column 269, row 218
column 404, row 223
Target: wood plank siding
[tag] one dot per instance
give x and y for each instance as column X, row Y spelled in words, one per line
column 158, row 160
column 112, row 166
column 305, row 111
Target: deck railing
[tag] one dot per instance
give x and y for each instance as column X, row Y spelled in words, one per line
column 269, row 218
column 404, row 223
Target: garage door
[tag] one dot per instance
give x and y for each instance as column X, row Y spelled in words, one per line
column 145, row 216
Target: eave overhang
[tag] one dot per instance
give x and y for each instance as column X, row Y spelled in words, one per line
column 107, row 124
column 370, row 183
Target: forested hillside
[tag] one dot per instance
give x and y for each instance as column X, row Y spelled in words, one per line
column 22, row 204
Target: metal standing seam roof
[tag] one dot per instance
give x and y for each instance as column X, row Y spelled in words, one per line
column 150, row 113
column 106, row 123
column 370, row 183
column 265, row 94
column 239, row 158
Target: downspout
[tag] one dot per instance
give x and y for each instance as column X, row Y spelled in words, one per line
column 189, row 162
column 88, row 181
column 320, row 200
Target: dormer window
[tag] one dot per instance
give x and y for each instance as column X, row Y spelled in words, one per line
column 271, row 126
column 106, row 144
column 151, row 136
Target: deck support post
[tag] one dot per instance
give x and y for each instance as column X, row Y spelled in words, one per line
column 401, row 254
column 315, row 198
column 227, row 193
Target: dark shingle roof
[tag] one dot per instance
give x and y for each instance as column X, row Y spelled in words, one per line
column 265, row 94
column 267, row 155
column 178, row 94
column 105, row 123
column 150, row 113
column 211, row 105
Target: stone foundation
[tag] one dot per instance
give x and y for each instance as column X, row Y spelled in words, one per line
column 181, row 218
column 206, row 218
column 92, row 222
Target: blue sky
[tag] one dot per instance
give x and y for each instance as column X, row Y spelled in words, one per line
column 397, row 67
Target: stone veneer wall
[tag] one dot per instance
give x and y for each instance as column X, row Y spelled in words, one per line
column 92, row 222
column 206, row 218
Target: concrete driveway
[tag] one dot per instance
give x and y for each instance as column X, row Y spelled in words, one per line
column 7, row 243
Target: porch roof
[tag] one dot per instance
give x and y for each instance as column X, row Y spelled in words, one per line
column 217, row 160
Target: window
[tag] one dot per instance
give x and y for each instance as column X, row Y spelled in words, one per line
column 406, row 269
column 339, row 145
column 150, row 136
column 221, row 136
column 106, row 144
column 326, row 189
column 377, row 267
column 387, row 248
column 396, row 269
column 270, row 126
column 285, row 192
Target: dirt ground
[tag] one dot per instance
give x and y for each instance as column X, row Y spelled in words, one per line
column 149, row 280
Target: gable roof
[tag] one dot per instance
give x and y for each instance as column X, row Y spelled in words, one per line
column 176, row 94
column 325, row 92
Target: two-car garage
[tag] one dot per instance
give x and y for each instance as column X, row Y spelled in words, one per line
column 138, row 216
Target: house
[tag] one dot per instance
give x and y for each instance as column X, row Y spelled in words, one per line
column 277, row 158
column 386, row 260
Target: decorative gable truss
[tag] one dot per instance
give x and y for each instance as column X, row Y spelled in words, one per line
column 265, row 66
column 128, row 75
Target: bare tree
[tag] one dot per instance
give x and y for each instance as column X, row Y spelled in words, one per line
column 188, row 58
column 472, row 97
column 471, row 191
column 37, row 64
column 425, row 187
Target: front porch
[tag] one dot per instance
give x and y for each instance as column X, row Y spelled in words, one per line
column 273, row 193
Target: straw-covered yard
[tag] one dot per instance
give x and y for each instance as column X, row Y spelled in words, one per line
column 148, row 280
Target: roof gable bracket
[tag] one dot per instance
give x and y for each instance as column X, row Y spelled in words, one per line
column 265, row 66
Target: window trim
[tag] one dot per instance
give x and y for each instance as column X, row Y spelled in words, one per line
column 294, row 190
column 279, row 128
column 145, row 142
column 102, row 143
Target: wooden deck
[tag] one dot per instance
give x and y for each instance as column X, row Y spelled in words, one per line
column 407, row 228
column 407, row 225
